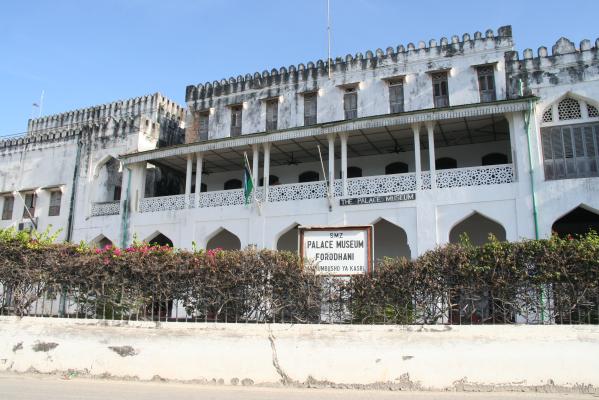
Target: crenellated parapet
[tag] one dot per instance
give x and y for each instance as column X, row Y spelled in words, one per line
column 567, row 64
column 401, row 54
column 119, row 117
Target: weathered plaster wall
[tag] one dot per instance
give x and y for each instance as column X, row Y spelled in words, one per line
column 435, row 357
column 367, row 72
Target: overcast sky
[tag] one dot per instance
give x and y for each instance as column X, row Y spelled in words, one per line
column 83, row 53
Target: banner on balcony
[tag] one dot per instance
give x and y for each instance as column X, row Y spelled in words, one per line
column 377, row 199
column 337, row 250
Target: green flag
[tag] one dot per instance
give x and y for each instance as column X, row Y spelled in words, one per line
column 248, row 183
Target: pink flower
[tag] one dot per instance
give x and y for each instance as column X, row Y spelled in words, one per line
column 117, row 251
column 97, row 251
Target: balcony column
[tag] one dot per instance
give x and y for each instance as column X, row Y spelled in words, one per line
column 199, row 167
column 266, row 168
column 332, row 164
column 188, row 174
column 343, row 137
column 430, row 127
column 255, row 164
column 417, row 162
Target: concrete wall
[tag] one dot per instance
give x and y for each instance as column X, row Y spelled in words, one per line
column 436, row 357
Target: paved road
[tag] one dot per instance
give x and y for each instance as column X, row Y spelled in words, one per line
column 41, row 387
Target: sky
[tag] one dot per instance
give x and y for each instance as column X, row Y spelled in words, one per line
column 82, row 53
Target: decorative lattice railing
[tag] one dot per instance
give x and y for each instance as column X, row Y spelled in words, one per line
column 477, row 176
column 366, row 186
column 163, row 203
column 106, row 208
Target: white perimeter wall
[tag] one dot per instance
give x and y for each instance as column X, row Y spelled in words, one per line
column 431, row 356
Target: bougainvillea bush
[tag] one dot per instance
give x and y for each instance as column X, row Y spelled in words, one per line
column 535, row 281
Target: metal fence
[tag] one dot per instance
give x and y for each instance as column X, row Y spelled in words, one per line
column 336, row 301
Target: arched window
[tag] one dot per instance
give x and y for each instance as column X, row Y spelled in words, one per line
column 308, row 176
column 569, row 138
column 352, row 172
column 577, row 222
column 396, row 168
column 272, row 180
column 161, row 240
column 446, row 163
column 494, row 159
column 233, row 184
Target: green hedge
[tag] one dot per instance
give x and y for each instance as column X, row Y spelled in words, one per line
column 554, row 280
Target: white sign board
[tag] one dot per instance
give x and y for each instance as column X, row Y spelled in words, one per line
column 339, row 251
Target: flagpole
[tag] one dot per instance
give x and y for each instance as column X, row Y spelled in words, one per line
column 326, row 181
column 247, row 162
column 329, row 34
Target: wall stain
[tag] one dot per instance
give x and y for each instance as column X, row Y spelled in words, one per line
column 44, row 346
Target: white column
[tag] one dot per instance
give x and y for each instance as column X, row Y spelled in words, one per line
column 417, row 162
column 255, row 164
column 332, row 163
column 343, row 137
column 188, row 178
column 199, row 167
column 266, row 169
column 430, row 127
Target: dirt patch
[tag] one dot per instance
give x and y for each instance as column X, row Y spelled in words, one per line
column 44, row 346
column 17, row 347
column 124, row 351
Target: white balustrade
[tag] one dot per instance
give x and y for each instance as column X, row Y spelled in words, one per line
column 221, row 198
column 163, row 203
column 297, row 191
column 381, row 184
column 106, row 208
column 365, row 186
column 476, row 176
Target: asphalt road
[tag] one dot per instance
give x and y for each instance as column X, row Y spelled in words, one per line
column 42, row 387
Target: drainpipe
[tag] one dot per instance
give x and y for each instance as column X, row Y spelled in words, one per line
column 527, row 116
column 125, row 213
column 69, row 236
column 74, row 190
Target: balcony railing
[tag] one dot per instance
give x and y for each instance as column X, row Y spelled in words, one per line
column 106, row 208
column 477, row 176
column 356, row 187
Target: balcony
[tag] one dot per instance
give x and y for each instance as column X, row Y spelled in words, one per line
column 356, row 187
column 106, row 208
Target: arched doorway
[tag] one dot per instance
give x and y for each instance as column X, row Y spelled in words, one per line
column 390, row 241
column 224, row 240
column 160, row 240
column 233, row 184
column 446, row 163
column 108, row 181
column 477, row 227
column 308, row 176
column 494, row 159
column 577, row 222
column 396, row 168
column 288, row 241
column 101, row 242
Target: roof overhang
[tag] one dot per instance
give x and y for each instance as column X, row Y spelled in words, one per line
column 379, row 121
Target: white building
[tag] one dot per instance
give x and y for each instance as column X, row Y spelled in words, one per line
column 485, row 142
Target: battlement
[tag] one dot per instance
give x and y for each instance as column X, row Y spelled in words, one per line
column 566, row 65
column 370, row 59
column 563, row 46
column 153, row 106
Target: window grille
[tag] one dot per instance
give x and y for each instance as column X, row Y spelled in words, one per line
column 486, row 83
column 7, row 207
column 29, row 205
column 204, row 118
column 568, row 108
column 440, row 90
column 310, row 106
column 592, row 111
column 548, row 114
column 55, row 200
column 396, row 97
column 570, row 151
column 350, row 104
column 236, row 115
column 272, row 114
